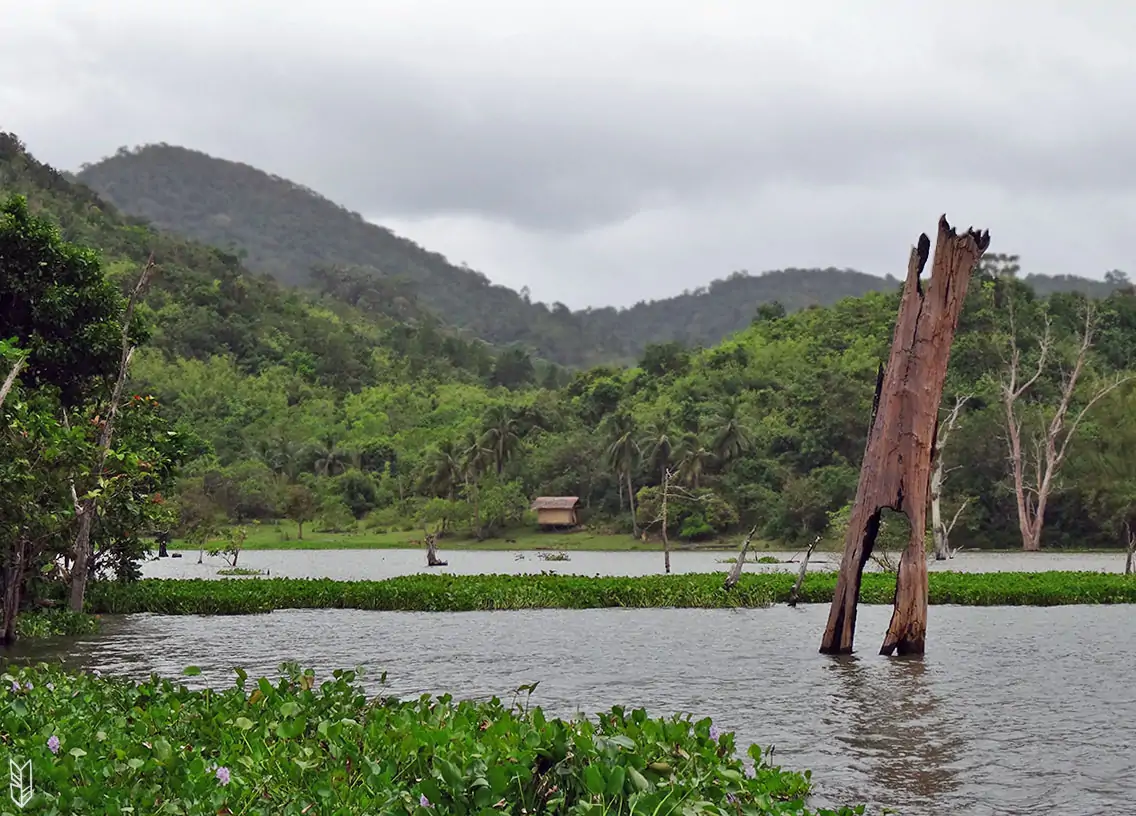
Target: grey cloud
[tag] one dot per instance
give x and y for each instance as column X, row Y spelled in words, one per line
column 1019, row 110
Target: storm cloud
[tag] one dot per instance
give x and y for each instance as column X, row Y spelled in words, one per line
column 603, row 153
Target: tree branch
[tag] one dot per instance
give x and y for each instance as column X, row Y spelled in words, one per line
column 17, row 367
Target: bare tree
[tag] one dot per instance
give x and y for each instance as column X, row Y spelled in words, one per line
column 667, row 491
column 86, row 509
column 939, row 528
column 1036, row 479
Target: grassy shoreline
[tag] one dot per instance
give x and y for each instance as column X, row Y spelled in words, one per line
column 450, row 593
column 283, row 536
column 298, row 746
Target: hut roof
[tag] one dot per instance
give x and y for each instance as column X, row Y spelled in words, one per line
column 555, row 502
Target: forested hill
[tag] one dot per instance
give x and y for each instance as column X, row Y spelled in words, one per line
column 300, row 237
column 205, row 303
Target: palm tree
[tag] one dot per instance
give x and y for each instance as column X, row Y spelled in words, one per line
column 694, row 458
column 731, row 439
column 623, row 454
column 659, row 444
column 330, row 458
column 444, row 469
column 500, row 435
column 474, row 459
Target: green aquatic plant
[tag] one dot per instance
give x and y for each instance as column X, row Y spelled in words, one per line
column 301, row 746
column 463, row 593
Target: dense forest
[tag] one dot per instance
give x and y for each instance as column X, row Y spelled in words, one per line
column 299, row 237
column 249, row 401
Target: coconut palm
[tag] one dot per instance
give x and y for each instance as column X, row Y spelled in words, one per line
column 731, row 439
column 694, row 459
column 500, row 435
column 659, row 444
column 623, row 454
column 444, row 470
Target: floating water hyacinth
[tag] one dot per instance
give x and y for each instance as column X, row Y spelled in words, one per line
column 714, row 733
column 223, row 775
column 53, row 744
column 422, row 800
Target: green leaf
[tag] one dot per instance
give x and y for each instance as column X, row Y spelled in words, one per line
column 615, row 781
column 77, row 752
column 243, row 723
column 191, row 671
column 594, row 780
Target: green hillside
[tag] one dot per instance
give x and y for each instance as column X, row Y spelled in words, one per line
column 300, row 237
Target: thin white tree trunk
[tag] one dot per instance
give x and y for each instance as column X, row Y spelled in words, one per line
column 80, row 571
column 17, row 367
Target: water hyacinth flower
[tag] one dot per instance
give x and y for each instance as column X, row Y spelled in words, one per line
column 223, row 775
column 15, row 686
column 731, row 799
column 422, row 800
column 28, row 685
column 714, row 733
column 50, row 687
column 53, row 744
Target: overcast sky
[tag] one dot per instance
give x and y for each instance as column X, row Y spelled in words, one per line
column 607, row 152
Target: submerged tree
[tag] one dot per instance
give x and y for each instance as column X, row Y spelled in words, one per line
column 897, row 463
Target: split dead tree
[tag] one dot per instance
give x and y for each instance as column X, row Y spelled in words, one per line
column 897, row 460
column 1131, row 549
column 735, row 573
column 86, row 507
column 940, row 529
column 1034, row 482
column 432, row 559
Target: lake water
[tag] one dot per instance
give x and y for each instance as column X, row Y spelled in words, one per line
column 1016, row 711
column 377, row 564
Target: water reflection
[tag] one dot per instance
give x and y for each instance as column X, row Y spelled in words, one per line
column 898, row 727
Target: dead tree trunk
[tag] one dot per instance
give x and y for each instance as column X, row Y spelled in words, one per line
column 897, row 461
column 1131, row 549
column 432, row 559
column 735, row 573
column 795, row 592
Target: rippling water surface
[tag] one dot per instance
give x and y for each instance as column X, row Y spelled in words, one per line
column 1013, row 710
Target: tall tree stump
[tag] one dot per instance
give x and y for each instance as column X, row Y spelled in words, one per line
column 897, row 461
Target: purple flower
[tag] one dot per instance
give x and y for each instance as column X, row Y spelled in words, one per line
column 50, row 686
column 714, row 733
column 28, row 685
column 15, row 686
column 223, row 775
column 731, row 799
column 422, row 800
column 53, row 744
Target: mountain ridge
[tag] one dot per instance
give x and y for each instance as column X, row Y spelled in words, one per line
column 303, row 238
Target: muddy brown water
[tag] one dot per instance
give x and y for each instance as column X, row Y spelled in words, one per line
column 1013, row 710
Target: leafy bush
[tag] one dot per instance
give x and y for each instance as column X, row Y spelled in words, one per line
column 105, row 745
